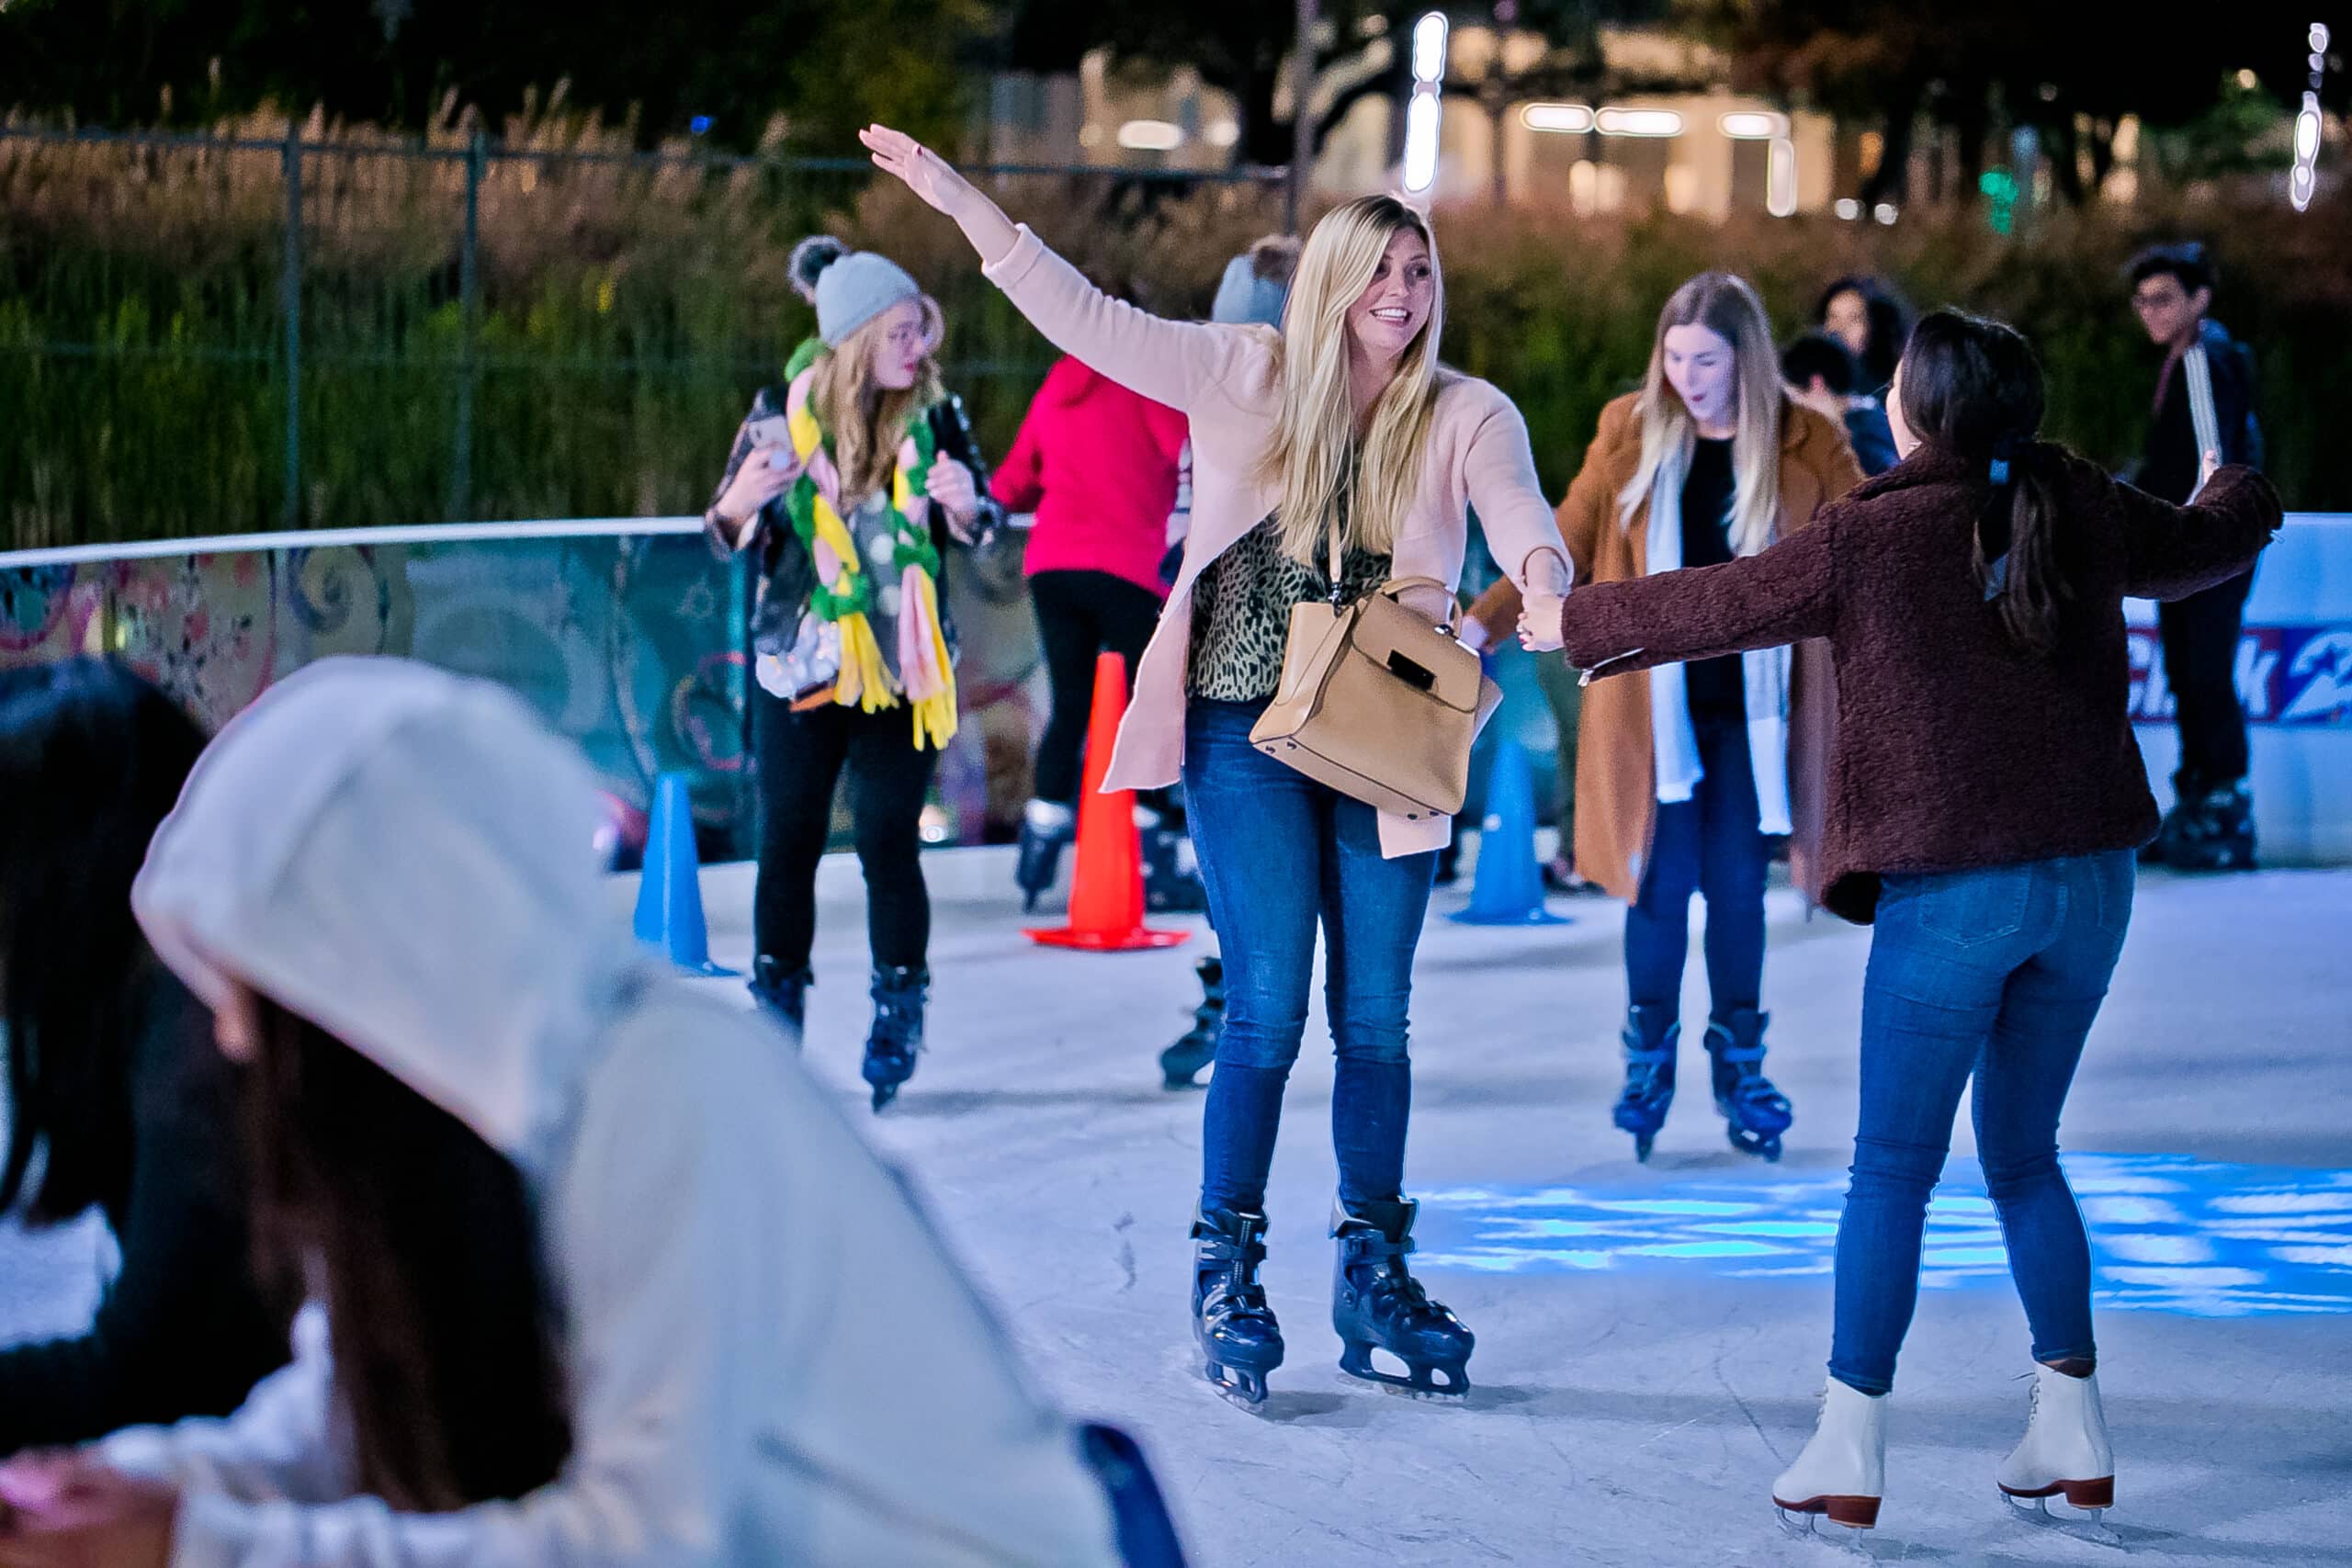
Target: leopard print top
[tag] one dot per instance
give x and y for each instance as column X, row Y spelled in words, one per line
column 1241, row 613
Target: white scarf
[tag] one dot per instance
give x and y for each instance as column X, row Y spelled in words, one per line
column 1673, row 741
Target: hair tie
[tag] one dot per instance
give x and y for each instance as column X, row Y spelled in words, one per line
column 2005, row 450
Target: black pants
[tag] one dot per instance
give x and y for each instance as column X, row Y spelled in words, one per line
column 800, row 757
column 1079, row 616
column 2201, row 635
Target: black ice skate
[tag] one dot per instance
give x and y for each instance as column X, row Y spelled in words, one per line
column 1376, row 1304
column 2219, row 833
column 2188, row 788
column 1172, row 885
column 1240, row 1342
column 782, row 996
column 1651, row 1035
column 1182, row 1063
column 1755, row 1113
column 898, row 998
column 1045, row 827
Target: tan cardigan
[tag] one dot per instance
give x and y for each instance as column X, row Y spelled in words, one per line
column 1616, row 779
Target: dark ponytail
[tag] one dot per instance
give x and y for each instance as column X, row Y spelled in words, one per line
column 1973, row 387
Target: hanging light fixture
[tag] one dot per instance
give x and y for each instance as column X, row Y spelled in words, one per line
column 1423, row 110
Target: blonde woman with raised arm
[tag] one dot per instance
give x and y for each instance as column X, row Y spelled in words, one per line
column 1344, row 414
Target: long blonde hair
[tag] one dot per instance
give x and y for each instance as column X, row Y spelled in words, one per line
column 865, row 422
column 1727, row 306
column 1313, row 454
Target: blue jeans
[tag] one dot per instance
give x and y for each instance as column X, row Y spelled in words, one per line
column 1278, row 855
column 1709, row 844
column 1997, row 975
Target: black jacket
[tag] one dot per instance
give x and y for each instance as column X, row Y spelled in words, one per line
column 182, row 1329
column 2168, row 471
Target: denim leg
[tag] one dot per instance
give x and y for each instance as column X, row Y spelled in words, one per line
column 1939, row 964
column 1373, row 912
column 1256, row 828
column 1732, row 863
column 2021, row 1086
column 1658, row 924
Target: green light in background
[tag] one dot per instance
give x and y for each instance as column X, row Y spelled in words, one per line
column 2000, row 188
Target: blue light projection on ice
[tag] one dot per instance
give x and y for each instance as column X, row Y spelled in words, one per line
column 2168, row 1233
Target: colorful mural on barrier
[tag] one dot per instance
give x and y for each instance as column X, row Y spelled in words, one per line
column 630, row 644
column 624, row 643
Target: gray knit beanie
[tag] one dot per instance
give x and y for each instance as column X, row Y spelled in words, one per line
column 1256, row 283
column 848, row 288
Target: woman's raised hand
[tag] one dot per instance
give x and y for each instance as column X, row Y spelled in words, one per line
column 925, row 172
column 935, row 181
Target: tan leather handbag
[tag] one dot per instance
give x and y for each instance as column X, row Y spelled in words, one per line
column 1377, row 702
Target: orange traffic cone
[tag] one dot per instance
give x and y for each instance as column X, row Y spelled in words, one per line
column 1106, row 896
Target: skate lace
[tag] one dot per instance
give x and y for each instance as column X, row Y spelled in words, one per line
column 1233, row 1296
column 1394, row 1289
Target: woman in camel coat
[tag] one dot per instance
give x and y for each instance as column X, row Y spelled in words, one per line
column 1744, row 741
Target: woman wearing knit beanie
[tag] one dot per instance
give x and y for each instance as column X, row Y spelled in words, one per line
column 848, row 480
column 1340, row 435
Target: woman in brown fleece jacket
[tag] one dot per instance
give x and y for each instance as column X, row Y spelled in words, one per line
column 1985, row 799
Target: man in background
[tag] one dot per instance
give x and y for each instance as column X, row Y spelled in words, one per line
column 2204, row 403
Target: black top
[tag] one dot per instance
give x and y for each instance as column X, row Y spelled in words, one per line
column 2169, row 470
column 1241, row 605
column 181, row 1330
column 1718, row 687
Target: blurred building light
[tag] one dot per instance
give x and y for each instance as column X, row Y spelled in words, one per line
column 1224, row 133
column 1681, row 188
column 2304, row 180
column 699, row 125
column 1429, row 48
column 1422, row 110
column 1638, row 122
column 1885, row 212
column 1748, row 125
column 1584, row 188
column 1849, row 208
column 1564, row 118
column 1420, row 142
column 1781, row 180
column 1150, row 136
column 2248, row 80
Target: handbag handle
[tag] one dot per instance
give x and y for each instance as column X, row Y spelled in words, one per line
column 1397, row 587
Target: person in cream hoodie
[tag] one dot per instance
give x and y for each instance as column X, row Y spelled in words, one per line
column 607, row 1278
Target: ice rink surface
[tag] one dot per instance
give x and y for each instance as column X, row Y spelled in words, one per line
column 1650, row 1339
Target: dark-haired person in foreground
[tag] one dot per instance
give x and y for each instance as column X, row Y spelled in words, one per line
column 607, row 1280
column 2205, row 402
column 115, row 1097
column 1986, row 796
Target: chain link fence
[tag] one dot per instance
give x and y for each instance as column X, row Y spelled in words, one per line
column 207, row 334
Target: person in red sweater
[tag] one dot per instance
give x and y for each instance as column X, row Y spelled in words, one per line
column 1097, row 464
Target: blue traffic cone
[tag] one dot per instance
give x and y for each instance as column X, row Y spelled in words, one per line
column 668, row 898
column 1510, row 889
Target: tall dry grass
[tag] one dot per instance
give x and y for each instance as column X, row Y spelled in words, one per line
column 628, row 307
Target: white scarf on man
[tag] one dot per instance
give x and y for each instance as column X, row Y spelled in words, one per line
column 1673, row 742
